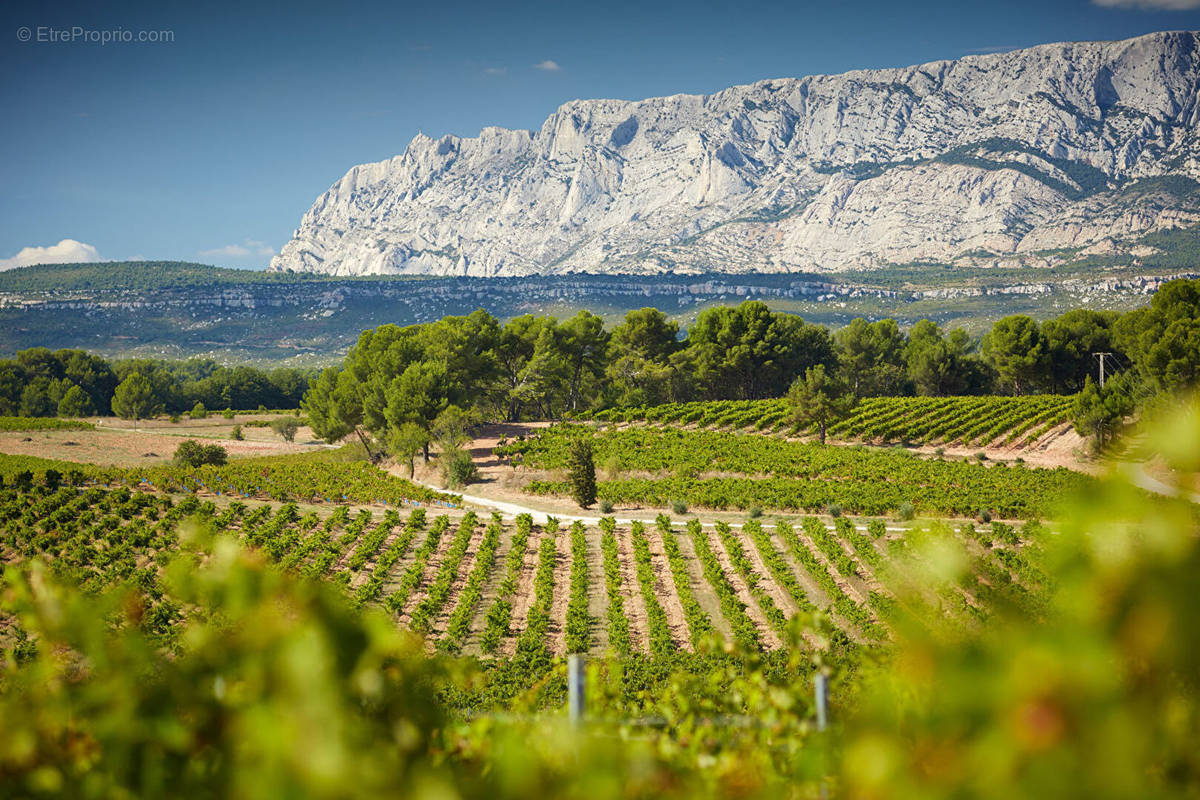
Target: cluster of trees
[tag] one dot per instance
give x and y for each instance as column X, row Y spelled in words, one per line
column 397, row 382
column 73, row 383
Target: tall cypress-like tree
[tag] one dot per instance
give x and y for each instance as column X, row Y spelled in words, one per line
column 583, row 473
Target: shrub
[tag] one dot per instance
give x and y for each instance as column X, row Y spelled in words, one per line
column 236, row 434
column 612, row 467
column 754, row 512
column 191, row 453
column 981, row 456
column 227, row 413
column 458, row 469
column 906, row 511
column 606, row 506
column 679, row 507
column 175, row 419
column 835, row 510
column 198, row 411
column 985, row 516
column 939, row 452
column 286, row 427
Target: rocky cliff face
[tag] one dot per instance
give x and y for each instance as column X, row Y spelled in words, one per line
column 1011, row 156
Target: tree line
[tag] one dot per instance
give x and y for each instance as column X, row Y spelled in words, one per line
column 397, row 384
column 73, row 383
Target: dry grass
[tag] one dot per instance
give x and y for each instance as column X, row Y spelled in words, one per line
column 117, row 443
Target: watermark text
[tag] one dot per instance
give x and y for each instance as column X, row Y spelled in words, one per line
column 77, row 34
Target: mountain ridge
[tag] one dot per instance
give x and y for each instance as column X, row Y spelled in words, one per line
column 1010, row 157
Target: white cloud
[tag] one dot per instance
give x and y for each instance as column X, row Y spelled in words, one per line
column 68, row 251
column 495, row 70
column 547, row 66
column 1150, row 5
column 251, row 247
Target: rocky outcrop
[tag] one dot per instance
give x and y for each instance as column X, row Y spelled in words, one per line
column 1006, row 155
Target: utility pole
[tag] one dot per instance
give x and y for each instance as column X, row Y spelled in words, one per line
column 1101, row 357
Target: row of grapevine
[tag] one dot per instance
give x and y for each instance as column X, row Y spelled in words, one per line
column 661, row 643
column 306, row 478
column 745, row 471
column 398, row 600
column 579, row 621
column 745, row 569
column 498, row 620
column 372, row 588
column 459, row 624
column 699, row 624
column 949, row 420
column 107, row 536
column 618, row 624
column 421, row 618
column 532, row 643
column 734, row 610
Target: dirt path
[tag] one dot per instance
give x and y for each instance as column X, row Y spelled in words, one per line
column 631, row 593
column 700, row 589
column 523, row 597
column 556, row 632
column 597, row 592
column 668, row 597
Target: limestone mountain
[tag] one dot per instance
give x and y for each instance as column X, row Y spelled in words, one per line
column 1024, row 157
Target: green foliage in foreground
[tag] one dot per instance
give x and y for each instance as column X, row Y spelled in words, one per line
column 43, row 424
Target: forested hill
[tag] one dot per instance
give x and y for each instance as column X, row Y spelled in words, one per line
column 133, row 276
column 167, row 309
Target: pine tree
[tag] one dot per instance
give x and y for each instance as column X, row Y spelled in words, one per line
column 820, row 399
column 583, row 473
column 134, row 398
column 75, row 403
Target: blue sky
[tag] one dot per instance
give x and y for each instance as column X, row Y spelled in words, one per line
column 210, row 147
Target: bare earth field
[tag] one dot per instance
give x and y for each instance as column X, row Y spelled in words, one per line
column 119, row 443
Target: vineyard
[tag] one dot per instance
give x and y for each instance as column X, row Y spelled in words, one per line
column 43, row 424
column 278, row 622
column 718, row 470
column 319, row 478
column 967, row 421
column 497, row 588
